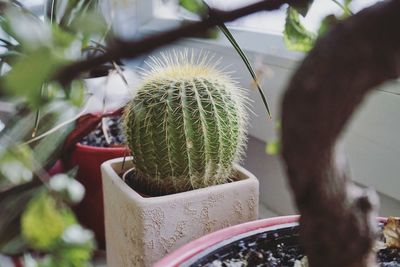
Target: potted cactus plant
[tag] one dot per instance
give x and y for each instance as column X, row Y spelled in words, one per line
column 186, row 130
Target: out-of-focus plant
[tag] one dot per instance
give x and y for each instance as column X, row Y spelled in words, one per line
column 298, row 38
column 34, row 49
column 34, row 212
column 295, row 34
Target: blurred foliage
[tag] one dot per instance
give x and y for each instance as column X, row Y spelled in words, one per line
column 331, row 20
column 295, row 35
column 298, row 38
column 34, row 213
column 43, row 222
column 43, row 152
column 35, row 49
column 273, row 147
column 49, row 226
column 16, row 165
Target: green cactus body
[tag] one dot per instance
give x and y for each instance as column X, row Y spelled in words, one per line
column 185, row 126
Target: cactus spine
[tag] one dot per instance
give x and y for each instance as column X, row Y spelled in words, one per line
column 186, row 125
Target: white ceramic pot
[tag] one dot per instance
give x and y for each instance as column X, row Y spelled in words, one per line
column 140, row 230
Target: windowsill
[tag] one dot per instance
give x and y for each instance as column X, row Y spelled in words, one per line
column 264, row 43
column 264, row 212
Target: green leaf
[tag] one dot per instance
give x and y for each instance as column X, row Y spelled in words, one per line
column 75, row 249
column 29, row 73
column 48, row 148
column 246, row 61
column 76, row 256
column 273, row 147
column 296, row 36
column 27, row 29
column 43, row 222
column 90, row 24
column 345, row 7
column 13, row 202
column 16, row 165
column 75, row 10
column 10, row 56
column 61, row 38
column 76, row 93
column 195, row 6
column 347, row 3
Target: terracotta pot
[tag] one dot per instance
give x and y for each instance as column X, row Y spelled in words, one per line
column 195, row 251
column 90, row 211
column 141, row 230
column 17, row 262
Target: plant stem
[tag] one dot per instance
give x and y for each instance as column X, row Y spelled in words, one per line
column 345, row 9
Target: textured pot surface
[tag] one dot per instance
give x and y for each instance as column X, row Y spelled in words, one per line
column 90, row 209
column 140, row 231
column 207, row 243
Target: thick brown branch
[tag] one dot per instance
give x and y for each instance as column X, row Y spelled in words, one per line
column 337, row 223
column 130, row 49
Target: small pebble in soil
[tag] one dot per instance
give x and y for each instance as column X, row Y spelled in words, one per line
column 96, row 137
column 254, row 258
column 389, row 257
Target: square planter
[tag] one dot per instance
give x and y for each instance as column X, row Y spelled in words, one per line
column 141, row 230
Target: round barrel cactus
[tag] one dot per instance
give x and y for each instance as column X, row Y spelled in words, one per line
column 186, row 125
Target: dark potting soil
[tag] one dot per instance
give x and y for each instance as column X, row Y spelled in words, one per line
column 140, row 187
column 96, row 137
column 277, row 248
column 130, row 179
column 146, row 190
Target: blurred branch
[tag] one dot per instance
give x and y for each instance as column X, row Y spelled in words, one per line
column 338, row 226
column 119, row 49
